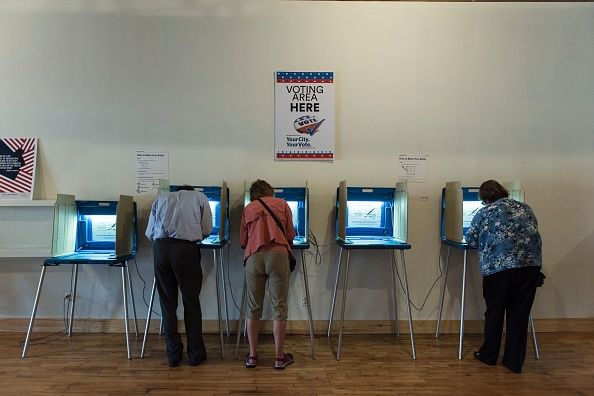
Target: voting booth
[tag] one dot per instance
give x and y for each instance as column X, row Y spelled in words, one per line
column 217, row 241
column 91, row 233
column 459, row 205
column 372, row 218
column 298, row 200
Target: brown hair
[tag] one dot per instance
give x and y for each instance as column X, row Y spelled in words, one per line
column 260, row 189
column 491, row 191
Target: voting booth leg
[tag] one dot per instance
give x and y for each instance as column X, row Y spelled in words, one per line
column 239, row 321
column 443, row 289
column 73, row 297
column 344, row 292
column 222, row 263
column 461, row 347
column 214, row 252
column 161, row 325
column 410, row 322
column 148, row 317
column 536, row 353
column 125, row 295
column 32, row 320
column 132, row 298
column 308, row 302
column 334, row 294
column 395, row 291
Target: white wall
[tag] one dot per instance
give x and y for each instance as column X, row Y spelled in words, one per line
column 499, row 90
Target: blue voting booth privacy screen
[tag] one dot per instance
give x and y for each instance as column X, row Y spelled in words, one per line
column 96, row 228
column 369, row 212
column 459, row 205
column 297, row 198
column 102, row 228
column 218, row 202
column 372, row 213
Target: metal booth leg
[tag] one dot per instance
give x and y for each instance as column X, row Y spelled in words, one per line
column 334, row 294
column 125, row 294
column 73, row 296
column 308, row 301
column 148, row 317
column 410, row 323
column 461, row 347
column 395, row 290
column 534, row 342
column 132, row 298
column 344, row 292
column 443, row 289
column 241, row 311
column 214, row 252
column 32, row 320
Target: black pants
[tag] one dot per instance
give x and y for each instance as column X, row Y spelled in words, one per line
column 177, row 264
column 508, row 293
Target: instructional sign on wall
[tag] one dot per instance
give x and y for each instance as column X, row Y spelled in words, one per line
column 150, row 167
column 304, row 116
column 18, row 157
column 413, row 167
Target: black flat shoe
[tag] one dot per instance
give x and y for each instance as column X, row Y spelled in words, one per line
column 477, row 356
column 174, row 363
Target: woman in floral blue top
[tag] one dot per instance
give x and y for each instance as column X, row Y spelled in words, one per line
column 506, row 234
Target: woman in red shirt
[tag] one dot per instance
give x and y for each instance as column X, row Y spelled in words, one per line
column 266, row 258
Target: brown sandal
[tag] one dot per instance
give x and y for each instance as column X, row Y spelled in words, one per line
column 282, row 363
column 250, row 361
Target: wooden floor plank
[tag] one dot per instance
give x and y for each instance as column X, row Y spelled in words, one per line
column 96, row 364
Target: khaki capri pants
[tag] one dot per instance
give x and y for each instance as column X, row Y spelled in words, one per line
column 274, row 267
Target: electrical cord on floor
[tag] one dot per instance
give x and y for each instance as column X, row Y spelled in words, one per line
column 229, row 282
column 143, row 288
column 317, row 253
column 439, row 266
column 65, row 316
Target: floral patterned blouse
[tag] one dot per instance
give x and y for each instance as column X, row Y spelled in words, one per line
column 506, row 235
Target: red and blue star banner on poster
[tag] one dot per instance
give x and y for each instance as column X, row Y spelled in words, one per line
column 304, row 116
column 17, row 167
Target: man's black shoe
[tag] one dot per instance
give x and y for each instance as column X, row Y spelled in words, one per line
column 176, row 359
column 196, row 361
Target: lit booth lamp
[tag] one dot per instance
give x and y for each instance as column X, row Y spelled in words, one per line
column 218, row 200
column 91, row 233
column 458, row 207
column 298, row 200
column 372, row 218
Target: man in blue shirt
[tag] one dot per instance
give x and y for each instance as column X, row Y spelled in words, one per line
column 506, row 234
column 177, row 223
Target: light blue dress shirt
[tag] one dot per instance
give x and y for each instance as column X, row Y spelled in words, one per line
column 181, row 214
column 506, row 235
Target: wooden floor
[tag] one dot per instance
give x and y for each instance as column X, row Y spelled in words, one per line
column 96, row 364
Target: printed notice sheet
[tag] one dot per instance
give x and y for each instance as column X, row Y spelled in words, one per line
column 150, row 167
column 413, row 167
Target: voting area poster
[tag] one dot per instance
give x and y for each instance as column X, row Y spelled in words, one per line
column 17, row 167
column 304, row 116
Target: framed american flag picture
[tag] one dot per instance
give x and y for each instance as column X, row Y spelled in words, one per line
column 18, row 158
